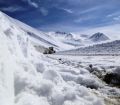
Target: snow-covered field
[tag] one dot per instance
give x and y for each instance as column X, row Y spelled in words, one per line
column 111, row 95
column 27, row 77
column 39, row 80
column 95, row 60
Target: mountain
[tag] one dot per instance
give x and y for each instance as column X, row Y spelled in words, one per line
column 98, row 37
column 109, row 48
column 37, row 37
column 13, row 26
column 75, row 40
column 66, row 38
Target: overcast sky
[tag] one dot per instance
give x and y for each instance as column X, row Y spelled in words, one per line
column 64, row 15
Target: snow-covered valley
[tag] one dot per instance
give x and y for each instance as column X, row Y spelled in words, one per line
column 28, row 77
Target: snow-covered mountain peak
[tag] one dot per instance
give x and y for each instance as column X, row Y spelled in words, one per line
column 98, row 37
column 66, row 38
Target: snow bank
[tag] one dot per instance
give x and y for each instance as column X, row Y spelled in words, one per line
column 27, row 98
column 7, row 65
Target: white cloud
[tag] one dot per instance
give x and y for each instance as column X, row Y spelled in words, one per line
column 113, row 14
column 81, row 19
column 116, row 18
column 84, row 18
column 95, row 8
column 33, row 4
column 89, row 10
column 67, row 10
column 12, row 8
column 44, row 11
column 92, row 15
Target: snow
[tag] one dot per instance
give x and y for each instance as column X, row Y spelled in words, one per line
column 74, row 41
column 31, row 99
column 97, row 37
column 107, row 48
column 27, row 77
column 6, row 76
column 68, row 40
column 112, row 31
column 95, row 60
column 42, row 38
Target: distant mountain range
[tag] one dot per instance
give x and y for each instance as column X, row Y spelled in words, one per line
column 76, row 41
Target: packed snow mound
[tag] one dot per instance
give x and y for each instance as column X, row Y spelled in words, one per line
column 28, row 77
column 98, row 37
column 109, row 48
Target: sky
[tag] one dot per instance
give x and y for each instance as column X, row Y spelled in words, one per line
column 64, row 15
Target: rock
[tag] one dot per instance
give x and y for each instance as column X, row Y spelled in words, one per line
column 49, row 50
column 112, row 78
